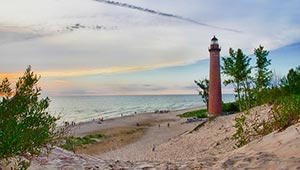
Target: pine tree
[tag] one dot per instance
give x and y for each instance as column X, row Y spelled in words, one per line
column 204, row 86
column 263, row 75
column 25, row 125
column 237, row 67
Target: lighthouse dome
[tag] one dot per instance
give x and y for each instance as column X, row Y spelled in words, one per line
column 214, row 40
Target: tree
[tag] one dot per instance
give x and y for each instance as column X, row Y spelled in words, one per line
column 26, row 128
column 291, row 83
column 263, row 75
column 204, row 86
column 237, row 67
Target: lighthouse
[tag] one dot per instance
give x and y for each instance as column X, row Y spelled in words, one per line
column 215, row 98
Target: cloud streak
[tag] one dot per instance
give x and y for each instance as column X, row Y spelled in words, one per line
column 86, row 72
column 151, row 11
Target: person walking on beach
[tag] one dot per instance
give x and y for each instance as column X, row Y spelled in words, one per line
column 153, row 148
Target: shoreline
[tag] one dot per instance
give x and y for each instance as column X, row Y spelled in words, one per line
column 140, row 113
column 134, row 130
column 132, row 117
column 182, row 146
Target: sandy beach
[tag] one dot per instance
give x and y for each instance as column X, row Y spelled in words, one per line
column 197, row 145
column 151, row 130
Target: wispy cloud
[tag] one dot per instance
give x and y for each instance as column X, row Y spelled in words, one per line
column 86, row 72
column 151, row 11
column 93, row 45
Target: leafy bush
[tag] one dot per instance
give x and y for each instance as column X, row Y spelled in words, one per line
column 73, row 142
column 231, row 107
column 242, row 132
column 285, row 112
column 291, row 83
column 198, row 113
column 270, row 95
column 25, row 125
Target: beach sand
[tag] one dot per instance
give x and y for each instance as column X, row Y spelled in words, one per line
column 136, row 134
column 198, row 145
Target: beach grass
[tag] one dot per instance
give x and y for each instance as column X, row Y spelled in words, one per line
column 113, row 139
column 76, row 142
column 202, row 113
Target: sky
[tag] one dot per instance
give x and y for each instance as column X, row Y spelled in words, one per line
column 135, row 47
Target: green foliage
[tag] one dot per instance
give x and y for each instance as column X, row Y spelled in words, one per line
column 286, row 98
column 230, row 108
column 198, row 113
column 291, row 83
column 270, row 95
column 237, row 67
column 204, row 86
column 241, row 134
column 285, row 112
column 73, row 142
column 25, row 125
column 263, row 74
column 5, row 89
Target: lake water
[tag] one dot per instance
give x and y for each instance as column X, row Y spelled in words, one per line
column 86, row 108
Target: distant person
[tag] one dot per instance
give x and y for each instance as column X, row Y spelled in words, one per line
column 168, row 124
column 153, row 148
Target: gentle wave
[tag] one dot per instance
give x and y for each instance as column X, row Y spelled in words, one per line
column 83, row 108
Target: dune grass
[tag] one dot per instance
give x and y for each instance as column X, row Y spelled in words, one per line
column 202, row 113
column 74, row 142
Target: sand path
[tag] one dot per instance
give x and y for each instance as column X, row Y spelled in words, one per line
column 208, row 147
column 154, row 119
column 158, row 133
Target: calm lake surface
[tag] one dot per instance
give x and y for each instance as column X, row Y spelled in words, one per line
column 87, row 108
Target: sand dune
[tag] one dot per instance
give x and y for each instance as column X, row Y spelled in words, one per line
column 183, row 146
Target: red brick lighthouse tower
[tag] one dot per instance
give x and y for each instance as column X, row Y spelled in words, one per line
column 215, row 99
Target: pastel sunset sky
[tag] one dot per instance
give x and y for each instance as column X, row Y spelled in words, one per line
column 128, row 47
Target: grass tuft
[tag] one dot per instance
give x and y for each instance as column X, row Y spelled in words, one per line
column 202, row 113
column 74, row 142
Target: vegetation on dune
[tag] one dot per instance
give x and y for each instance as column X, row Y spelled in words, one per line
column 203, row 92
column 237, row 67
column 230, row 108
column 249, row 88
column 112, row 139
column 70, row 143
column 285, row 112
column 263, row 75
column 202, row 113
column 257, row 90
column 290, row 84
column 26, row 128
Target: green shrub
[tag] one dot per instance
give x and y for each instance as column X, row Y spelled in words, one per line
column 197, row 113
column 73, row 142
column 285, row 112
column 242, row 132
column 231, row 107
column 25, row 125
